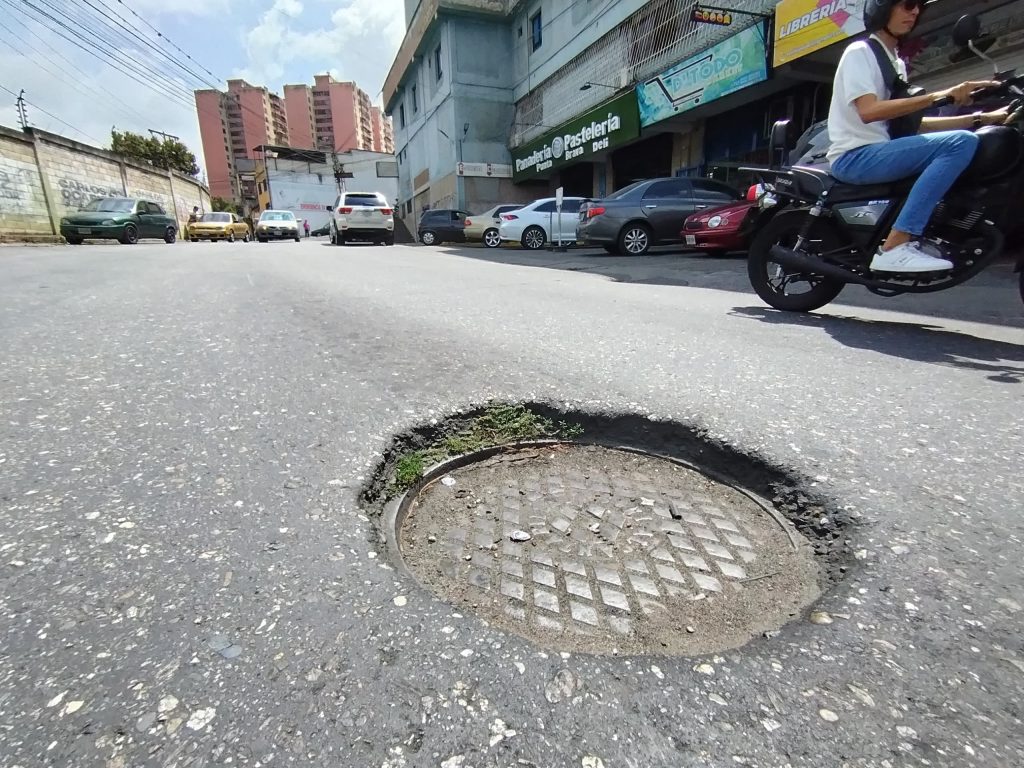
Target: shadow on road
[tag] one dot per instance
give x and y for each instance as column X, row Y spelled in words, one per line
column 990, row 298
column 909, row 341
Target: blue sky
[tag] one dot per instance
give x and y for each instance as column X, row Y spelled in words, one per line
column 268, row 42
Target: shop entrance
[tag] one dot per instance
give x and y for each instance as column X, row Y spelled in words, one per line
column 647, row 159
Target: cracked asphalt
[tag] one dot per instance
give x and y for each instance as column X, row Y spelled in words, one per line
column 187, row 577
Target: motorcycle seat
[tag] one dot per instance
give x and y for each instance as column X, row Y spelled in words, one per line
column 812, row 181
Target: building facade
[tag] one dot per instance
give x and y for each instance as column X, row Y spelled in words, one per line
column 329, row 116
column 506, row 100
column 231, row 125
column 337, row 116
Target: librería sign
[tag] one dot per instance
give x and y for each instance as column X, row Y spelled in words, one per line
column 606, row 127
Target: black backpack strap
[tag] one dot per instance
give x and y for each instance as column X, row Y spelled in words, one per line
column 889, row 73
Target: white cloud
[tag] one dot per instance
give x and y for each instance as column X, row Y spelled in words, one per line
column 357, row 42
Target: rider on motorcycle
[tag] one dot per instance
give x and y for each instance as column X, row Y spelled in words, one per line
column 862, row 151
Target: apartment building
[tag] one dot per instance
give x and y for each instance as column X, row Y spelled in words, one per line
column 231, row 125
column 329, row 116
column 338, row 116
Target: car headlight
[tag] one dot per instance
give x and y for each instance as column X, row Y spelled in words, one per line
column 717, row 221
column 107, row 223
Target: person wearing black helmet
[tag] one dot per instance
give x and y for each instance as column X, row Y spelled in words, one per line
column 862, row 150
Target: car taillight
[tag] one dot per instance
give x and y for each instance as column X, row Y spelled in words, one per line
column 509, row 216
column 344, row 210
column 595, row 211
column 386, row 211
column 468, row 222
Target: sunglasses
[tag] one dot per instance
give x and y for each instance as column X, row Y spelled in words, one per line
column 910, row 5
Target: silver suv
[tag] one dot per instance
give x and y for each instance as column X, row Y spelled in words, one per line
column 362, row 216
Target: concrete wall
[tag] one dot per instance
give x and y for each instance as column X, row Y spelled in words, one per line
column 44, row 176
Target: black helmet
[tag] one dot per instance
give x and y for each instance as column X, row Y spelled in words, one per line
column 877, row 13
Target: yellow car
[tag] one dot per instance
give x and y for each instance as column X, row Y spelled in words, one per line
column 219, row 226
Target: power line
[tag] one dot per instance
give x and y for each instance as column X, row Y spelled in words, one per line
column 48, row 114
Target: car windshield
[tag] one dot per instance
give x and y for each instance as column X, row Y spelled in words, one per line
column 111, row 204
column 220, row 218
column 277, row 216
column 624, row 191
column 360, row 199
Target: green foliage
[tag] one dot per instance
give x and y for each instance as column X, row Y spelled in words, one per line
column 498, row 425
column 170, row 154
column 220, row 204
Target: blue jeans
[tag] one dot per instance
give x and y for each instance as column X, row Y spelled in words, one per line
column 936, row 158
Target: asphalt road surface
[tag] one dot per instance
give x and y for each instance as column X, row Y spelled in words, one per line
column 188, row 578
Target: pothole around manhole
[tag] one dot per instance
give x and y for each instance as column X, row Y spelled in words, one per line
column 593, row 549
column 665, row 547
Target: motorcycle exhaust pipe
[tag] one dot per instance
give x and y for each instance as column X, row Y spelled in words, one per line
column 800, row 262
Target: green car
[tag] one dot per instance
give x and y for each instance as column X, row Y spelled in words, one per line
column 118, row 218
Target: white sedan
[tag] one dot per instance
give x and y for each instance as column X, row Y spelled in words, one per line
column 535, row 224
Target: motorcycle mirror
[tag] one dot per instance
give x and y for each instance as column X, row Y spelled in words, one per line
column 966, row 29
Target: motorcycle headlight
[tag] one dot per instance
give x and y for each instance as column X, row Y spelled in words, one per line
column 717, row 221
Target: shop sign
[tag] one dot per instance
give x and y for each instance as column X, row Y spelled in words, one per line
column 722, row 69
column 806, row 26
column 606, row 127
column 484, row 170
column 716, row 16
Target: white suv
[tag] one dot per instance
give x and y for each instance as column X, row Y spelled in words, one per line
column 362, row 216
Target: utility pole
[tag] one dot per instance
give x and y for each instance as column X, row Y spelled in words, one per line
column 22, row 112
column 165, row 136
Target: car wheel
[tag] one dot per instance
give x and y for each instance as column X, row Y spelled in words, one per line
column 231, row 237
column 492, row 238
column 635, row 240
column 74, row 240
column 389, row 240
column 247, row 238
column 428, row 237
column 130, row 235
column 262, row 239
column 297, row 239
column 534, row 238
column 170, row 235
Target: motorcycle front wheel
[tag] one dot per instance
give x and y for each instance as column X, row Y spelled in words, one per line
column 781, row 287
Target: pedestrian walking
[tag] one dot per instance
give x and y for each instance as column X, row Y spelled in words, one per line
column 305, row 226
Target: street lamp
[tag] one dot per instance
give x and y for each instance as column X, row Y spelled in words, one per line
column 588, row 85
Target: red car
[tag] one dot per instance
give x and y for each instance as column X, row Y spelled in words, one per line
column 722, row 229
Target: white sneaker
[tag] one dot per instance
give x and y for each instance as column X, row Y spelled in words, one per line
column 908, row 258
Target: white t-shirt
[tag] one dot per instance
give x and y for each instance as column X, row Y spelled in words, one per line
column 857, row 75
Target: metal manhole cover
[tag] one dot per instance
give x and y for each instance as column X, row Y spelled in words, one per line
column 600, row 550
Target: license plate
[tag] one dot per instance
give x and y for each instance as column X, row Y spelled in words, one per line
column 84, row 231
column 691, row 239
column 367, row 213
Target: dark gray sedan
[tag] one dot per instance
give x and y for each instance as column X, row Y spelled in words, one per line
column 648, row 213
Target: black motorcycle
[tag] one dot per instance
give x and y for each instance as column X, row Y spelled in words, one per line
column 815, row 235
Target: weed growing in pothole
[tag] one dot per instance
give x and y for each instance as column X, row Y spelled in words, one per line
column 495, row 425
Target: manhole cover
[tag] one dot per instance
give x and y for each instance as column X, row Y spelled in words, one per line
column 600, row 550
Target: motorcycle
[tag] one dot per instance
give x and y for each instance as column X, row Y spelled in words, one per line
column 816, row 235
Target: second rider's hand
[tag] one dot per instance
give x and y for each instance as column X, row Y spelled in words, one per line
column 961, row 94
column 996, row 117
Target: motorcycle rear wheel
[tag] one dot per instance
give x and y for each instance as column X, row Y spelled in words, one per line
column 776, row 284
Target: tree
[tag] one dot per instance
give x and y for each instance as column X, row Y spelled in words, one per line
column 220, row 204
column 169, row 154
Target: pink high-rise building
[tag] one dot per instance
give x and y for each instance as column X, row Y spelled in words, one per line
column 231, row 126
column 340, row 115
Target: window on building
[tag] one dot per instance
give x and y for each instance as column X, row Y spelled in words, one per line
column 415, row 101
column 537, row 30
column 401, row 115
column 437, row 62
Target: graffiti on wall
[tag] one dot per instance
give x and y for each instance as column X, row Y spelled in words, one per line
column 75, row 193
column 16, row 182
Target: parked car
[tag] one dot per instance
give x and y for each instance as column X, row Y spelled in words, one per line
column 442, row 225
column 648, row 213
column 277, row 225
column 485, row 226
column 535, row 224
column 362, row 216
column 320, row 231
column 124, row 219
column 219, row 225
column 723, row 229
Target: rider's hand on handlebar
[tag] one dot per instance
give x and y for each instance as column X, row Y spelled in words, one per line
column 962, row 94
column 996, row 117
